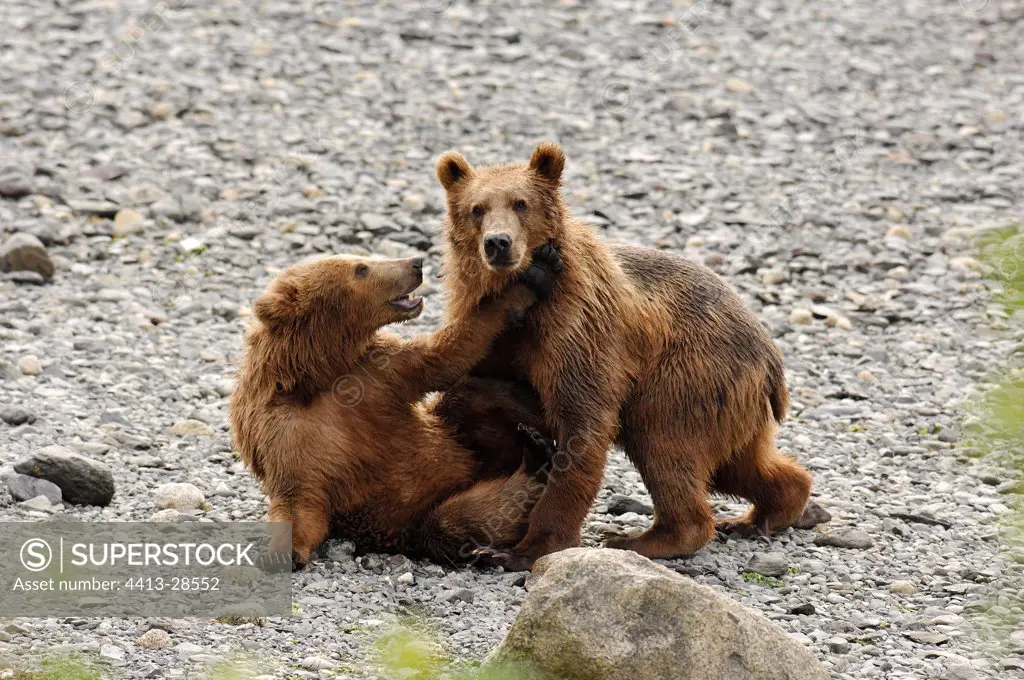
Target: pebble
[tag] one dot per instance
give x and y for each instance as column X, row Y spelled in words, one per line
column 812, row 516
column 155, row 638
column 902, row 588
column 224, row 491
column 187, row 650
column 224, row 388
column 24, row 487
column 899, row 231
column 15, row 185
column 773, row 277
column 925, row 637
column 768, row 564
column 800, row 316
column 26, row 253
column 738, row 85
column 318, row 663
column 13, row 415
column 845, row 538
column 620, row 505
column 38, row 504
column 179, row 496
column 195, row 428
column 838, row 645
column 30, row 365
column 459, row 594
column 167, row 515
column 127, row 222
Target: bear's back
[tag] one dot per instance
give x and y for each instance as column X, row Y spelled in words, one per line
column 699, row 302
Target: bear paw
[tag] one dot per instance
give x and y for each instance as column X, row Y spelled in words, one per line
column 540, row 276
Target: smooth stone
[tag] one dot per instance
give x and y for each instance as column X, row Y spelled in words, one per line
column 82, row 481
column 612, row 614
column 25, row 487
column 25, row 252
column 194, row 428
column 845, row 538
column 619, row 504
column 768, row 564
column 179, row 496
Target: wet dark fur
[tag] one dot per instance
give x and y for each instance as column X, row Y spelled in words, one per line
column 328, row 413
column 636, row 347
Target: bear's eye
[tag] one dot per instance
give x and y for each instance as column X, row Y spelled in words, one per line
column 361, row 271
column 478, row 211
column 519, row 205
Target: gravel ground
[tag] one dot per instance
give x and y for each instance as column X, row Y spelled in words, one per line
column 830, row 159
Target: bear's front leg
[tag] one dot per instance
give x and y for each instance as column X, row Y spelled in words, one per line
column 310, row 522
column 573, row 482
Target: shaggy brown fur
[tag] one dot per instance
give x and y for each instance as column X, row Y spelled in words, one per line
column 634, row 346
column 328, row 414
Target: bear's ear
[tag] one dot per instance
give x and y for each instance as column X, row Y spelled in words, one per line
column 278, row 305
column 452, row 168
column 548, row 160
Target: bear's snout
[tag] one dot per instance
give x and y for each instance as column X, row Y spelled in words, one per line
column 497, row 247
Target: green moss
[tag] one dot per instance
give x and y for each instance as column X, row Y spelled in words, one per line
column 242, row 620
column 998, row 436
column 766, row 581
column 73, row 667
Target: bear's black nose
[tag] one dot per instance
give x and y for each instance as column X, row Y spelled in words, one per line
column 417, row 263
column 496, row 246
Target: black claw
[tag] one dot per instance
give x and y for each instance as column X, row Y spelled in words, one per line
column 491, row 557
column 539, row 451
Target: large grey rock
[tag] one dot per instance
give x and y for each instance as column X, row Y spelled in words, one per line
column 24, row 488
column 606, row 614
column 25, row 252
column 82, row 481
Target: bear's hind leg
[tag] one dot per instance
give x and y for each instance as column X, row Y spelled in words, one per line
column 677, row 479
column 488, row 518
column 777, row 487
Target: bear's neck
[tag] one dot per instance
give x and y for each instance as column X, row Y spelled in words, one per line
column 304, row 367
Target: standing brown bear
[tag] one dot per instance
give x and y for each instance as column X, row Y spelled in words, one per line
column 634, row 346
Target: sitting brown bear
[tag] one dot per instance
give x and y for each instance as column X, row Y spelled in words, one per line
column 328, row 413
column 634, row 346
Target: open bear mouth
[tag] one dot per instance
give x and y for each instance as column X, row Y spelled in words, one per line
column 406, row 303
